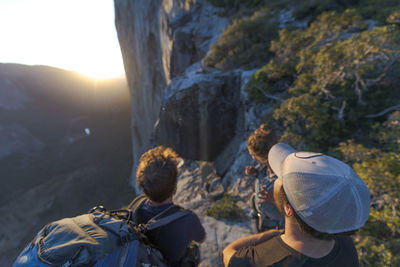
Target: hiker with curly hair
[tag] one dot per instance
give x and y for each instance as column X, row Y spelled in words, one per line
column 265, row 214
column 157, row 174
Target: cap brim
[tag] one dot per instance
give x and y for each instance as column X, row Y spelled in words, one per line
column 277, row 154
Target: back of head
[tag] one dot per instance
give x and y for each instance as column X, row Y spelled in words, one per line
column 261, row 140
column 157, row 172
column 324, row 192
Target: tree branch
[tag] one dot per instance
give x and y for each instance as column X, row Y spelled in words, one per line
column 371, row 82
column 269, row 95
column 357, row 88
column 383, row 112
column 341, row 110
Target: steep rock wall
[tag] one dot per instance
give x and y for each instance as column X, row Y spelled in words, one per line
column 159, row 39
column 145, row 45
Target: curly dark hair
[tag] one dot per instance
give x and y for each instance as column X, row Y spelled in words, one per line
column 156, row 173
column 261, row 140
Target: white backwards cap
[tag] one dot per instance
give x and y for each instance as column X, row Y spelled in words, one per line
column 325, row 192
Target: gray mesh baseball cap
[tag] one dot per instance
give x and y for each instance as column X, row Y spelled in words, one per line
column 325, row 192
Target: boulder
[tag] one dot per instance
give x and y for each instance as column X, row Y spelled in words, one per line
column 199, row 114
column 197, row 187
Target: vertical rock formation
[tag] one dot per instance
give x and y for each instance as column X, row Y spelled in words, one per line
column 159, row 40
column 145, row 45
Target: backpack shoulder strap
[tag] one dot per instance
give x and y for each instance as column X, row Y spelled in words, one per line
column 165, row 217
column 134, row 207
column 156, row 223
column 136, row 202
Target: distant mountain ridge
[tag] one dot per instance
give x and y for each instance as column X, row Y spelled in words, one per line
column 64, row 147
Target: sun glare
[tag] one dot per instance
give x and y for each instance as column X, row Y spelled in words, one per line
column 69, row 34
column 100, row 70
column 100, row 74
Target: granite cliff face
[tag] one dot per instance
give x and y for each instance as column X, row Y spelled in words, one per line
column 202, row 113
column 199, row 117
column 160, row 40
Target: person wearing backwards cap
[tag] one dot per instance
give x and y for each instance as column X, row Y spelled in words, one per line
column 323, row 201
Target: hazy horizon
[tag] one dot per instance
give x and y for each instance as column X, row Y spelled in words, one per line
column 67, row 34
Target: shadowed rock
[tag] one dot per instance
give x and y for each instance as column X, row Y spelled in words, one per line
column 199, row 116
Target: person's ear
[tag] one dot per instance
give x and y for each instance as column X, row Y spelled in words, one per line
column 288, row 210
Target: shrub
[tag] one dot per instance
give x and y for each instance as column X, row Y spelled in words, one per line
column 244, row 44
column 226, row 208
column 378, row 10
column 394, row 17
column 295, row 50
column 237, row 3
column 335, row 73
column 312, row 8
column 389, row 133
column 377, row 242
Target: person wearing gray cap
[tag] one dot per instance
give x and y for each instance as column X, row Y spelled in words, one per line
column 323, row 201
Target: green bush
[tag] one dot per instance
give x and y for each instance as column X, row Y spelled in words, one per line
column 244, row 44
column 301, row 9
column 378, row 241
column 226, row 208
column 378, row 10
column 335, row 73
column 237, row 3
column 394, row 17
column 313, row 8
column 387, row 133
column 295, row 50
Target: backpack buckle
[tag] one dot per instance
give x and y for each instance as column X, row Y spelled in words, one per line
column 97, row 208
column 142, row 228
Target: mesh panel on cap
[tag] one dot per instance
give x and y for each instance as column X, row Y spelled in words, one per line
column 363, row 195
column 337, row 215
column 305, row 190
column 277, row 154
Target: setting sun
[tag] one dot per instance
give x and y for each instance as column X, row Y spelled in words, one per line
column 70, row 34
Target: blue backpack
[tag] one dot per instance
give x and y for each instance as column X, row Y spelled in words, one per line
column 99, row 238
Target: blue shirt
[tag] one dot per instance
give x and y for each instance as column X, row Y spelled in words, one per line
column 172, row 239
column 268, row 210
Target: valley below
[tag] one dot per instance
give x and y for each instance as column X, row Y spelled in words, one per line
column 65, row 147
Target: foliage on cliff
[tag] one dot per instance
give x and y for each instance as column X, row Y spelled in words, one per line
column 237, row 4
column 377, row 242
column 245, row 43
column 335, row 80
column 300, row 9
column 226, row 208
column 378, row 10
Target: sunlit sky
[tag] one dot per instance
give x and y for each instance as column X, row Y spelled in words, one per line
column 77, row 35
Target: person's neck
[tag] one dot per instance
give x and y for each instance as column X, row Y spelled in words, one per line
column 167, row 201
column 305, row 243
